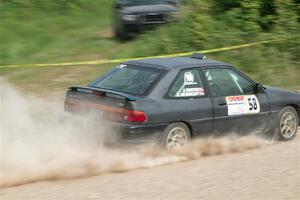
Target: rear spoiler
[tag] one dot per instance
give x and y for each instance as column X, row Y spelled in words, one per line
column 104, row 91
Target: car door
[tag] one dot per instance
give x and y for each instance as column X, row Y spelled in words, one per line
column 238, row 108
column 189, row 101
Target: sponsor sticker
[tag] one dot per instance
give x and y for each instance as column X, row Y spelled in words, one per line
column 190, row 87
column 192, row 92
column 121, row 66
column 189, row 78
column 239, row 105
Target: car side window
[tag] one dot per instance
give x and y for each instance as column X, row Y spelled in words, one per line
column 227, row 82
column 187, row 84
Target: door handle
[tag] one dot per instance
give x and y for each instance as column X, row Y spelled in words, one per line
column 222, row 102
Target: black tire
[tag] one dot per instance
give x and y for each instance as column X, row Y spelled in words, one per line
column 120, row 34
column 286, row 124
column 167, row 137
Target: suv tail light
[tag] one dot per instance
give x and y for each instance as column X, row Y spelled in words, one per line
column 135, row 116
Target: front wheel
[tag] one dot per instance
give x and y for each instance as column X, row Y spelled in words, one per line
column 176, row 135
column 120, row 33
column 287, row 124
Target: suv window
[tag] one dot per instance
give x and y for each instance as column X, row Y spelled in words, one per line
column 227, row 82
column 187, row 84
column 144, row 2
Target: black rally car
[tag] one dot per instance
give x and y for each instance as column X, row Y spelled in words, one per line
column 173, row 100
column 133, row 16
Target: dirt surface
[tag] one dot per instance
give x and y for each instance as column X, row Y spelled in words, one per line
column 270, row 172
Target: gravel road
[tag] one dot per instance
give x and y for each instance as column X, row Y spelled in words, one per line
column 270, row 172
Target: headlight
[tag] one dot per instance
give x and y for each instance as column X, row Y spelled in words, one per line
column 130, row 17
column 174, row 15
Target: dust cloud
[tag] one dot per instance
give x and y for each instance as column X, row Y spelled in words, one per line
column 40, row 142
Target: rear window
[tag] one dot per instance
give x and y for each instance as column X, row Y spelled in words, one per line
column 129, row 79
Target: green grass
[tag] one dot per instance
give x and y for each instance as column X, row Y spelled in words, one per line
column 46, row 37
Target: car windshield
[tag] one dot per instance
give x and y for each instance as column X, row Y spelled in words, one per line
column 128, row 79
column 146, row 2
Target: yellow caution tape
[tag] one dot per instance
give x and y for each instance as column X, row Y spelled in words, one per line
column 104, row 61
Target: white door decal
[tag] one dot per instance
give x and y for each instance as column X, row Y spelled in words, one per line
column 241, row 105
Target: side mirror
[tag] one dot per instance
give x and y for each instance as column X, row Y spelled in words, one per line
column 259, row 88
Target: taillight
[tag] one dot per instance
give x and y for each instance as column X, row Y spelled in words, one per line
column 135, row 116
column 68, row 104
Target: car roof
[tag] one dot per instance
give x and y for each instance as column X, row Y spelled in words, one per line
column 175, row 63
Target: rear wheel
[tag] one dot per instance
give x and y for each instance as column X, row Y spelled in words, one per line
column 176, row 135
column 287, row 124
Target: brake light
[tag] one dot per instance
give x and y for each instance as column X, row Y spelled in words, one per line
column 135, row 116
column 68, row 105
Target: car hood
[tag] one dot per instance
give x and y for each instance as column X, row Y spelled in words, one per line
column 279, row 90
column 281, row 97
column 149, row 9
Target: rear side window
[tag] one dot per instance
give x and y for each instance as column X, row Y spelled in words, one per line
column 187, row 84
column 129, row 79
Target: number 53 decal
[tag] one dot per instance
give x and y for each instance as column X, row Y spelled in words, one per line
column 240, row 105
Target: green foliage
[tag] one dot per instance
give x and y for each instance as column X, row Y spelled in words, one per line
column 216, row 23
column 47, row 31
column 27, row 8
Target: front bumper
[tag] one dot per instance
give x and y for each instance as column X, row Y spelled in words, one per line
column 147, row 22
column 136, row 27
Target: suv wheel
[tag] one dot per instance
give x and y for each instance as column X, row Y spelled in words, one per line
column 120, row 34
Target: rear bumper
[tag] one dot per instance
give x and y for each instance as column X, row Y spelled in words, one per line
column 120, row 131
column 139, row 133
